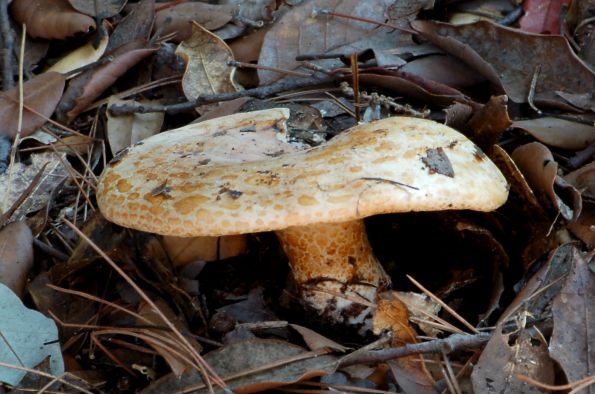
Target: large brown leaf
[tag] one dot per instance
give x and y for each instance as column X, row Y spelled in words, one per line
column 41, row 94
column 510, row 58
column 574, row 313
column 99, row 8
column 51, row 19
column 300, row 32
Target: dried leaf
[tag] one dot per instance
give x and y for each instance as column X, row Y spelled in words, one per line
column 41, row 94
column 488, row 122
column 16, row 256
column 28, row 337
column 207, row 71
column 123, row 131
column 53, row 175
column 83, row 89
column 98, row 8
column 584, row 180
column 177, row 18
column 531, row 224
column 300, row 31
column 510, row 59
column 500, row 362
column 316, row 341
column 136, row 26
column 236, row 364
column 409, row 371
column 558, row 132
column 541, row 171
column 81, row 56
column 542, row 16
column 571, row 344
column 51, row 19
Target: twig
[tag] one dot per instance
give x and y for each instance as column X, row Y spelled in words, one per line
column 259, row 92
column 531, row 94
column 581, row 157
column 453, row 343
column 8, row 41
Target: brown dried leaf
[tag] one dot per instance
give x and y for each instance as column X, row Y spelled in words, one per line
column 558, row 132
column 541, row 171
column 83, row 89
column 444, row 69
column 99, row 8
column 584, row 180
column 500, row 362
column 136, row 26
column 409, row 371
column 51, row 19
column 16, row 256
column 177, row 18
column 426, row 94
column 571, row 344
column 233, row 363
column 509, row 58
column 531, row 224
column 488, row 122
column 300, row 31
column 207, row 71
column 41, row 94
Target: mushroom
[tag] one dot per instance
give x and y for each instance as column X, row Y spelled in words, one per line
column 315, row 200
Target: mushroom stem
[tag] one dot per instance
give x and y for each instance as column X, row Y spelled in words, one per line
column 335, row 269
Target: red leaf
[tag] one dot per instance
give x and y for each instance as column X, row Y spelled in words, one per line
column 542, row 16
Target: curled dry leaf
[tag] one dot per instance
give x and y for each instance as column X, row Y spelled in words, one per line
column 85, row 88
column 16, row 256
column 558, row 132
column 488, row 122
column 409, row 371
column 510, row 59
column 571, row 344
column 41, row 94
column 207, row 71
column 541, row 171
column 51, row 19
column 584, row 180
column 177, row 18
column 532, row 225
column 100, row 9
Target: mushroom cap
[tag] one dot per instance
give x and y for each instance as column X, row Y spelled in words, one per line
column 397, row 164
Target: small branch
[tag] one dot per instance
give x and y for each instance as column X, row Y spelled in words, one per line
column 259, row 92
column 453, row 343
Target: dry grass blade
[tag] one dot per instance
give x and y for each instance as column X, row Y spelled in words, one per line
column 575, row 386
column 444, row 305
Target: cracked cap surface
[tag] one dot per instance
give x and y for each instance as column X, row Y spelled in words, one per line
column 165, row 185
